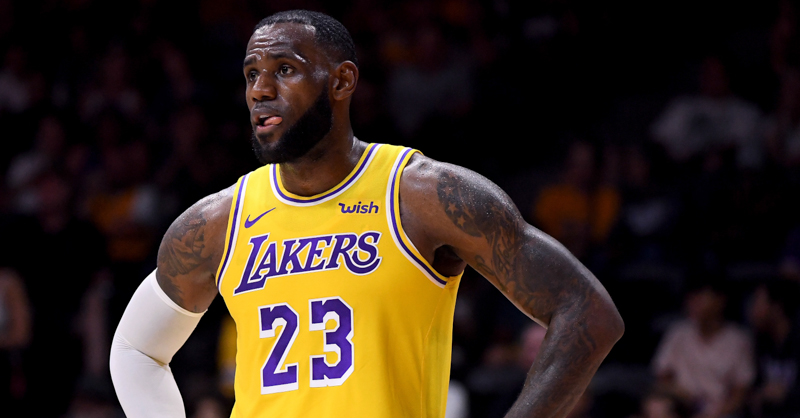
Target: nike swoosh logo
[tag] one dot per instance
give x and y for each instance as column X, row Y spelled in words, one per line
column 248, row 223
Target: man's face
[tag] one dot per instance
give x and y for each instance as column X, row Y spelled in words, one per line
column 287, row 92
column 705, row 305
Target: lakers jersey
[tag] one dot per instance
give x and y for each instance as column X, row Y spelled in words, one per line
column 337, row 313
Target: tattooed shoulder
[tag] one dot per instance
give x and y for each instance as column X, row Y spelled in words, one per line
column 471, row 213
column 484, row 228
column 482, row 210
column 192, row 247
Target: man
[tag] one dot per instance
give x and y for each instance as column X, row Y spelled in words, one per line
column 340, row 260
column 706, row 359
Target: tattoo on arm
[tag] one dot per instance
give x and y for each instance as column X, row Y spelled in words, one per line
column 482, row 218
column 541, row 277
column 182, row 251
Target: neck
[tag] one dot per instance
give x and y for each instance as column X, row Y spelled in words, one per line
column 709, row 327
column 325, row 166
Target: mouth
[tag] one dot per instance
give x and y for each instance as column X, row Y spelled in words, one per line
column 266, row 123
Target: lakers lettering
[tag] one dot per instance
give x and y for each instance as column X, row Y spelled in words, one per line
column 267, row 259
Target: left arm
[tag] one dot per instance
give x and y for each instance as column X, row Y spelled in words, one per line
column 474, row 218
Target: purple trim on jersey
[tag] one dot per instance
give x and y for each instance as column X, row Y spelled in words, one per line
column 337, row 190
column 397, row 229
column 234, row 226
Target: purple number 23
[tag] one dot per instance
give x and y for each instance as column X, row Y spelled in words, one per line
column 277, row 377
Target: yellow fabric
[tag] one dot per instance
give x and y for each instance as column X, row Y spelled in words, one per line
column 400, row 309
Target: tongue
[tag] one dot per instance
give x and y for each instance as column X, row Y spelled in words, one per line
column 274, row 120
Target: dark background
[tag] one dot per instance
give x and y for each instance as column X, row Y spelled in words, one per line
column 116, row 116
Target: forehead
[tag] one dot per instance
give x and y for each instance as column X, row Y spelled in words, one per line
column 293, row 37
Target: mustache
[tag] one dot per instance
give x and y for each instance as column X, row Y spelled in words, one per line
column 262, row 106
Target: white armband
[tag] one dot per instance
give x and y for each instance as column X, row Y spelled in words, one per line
column 151, row 331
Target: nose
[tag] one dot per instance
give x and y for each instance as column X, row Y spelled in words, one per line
column 263, row 88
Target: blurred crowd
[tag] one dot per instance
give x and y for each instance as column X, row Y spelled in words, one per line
column 659, row 141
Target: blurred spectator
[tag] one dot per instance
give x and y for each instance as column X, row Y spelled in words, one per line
column 190, row 170
column 773, row 315
column 59, row 257
column 15, row 94
column 26, row 168
column 784, row 39
column 705, row 358
column 123, row 206
column 113, row 89
column 783, row 127
column 15, row 315
column 179, row 87
column 438, row 81
column 15, row 334
column 646, row 229
column 713, row 119
column 575, row 210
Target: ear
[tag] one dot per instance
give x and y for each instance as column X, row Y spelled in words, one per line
column 345, row 78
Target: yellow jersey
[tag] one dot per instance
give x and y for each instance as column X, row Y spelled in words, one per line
column 337, row 314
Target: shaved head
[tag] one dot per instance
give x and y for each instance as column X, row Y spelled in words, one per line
column 329, row 33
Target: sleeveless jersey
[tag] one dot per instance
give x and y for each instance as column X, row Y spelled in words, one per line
column 337, row 314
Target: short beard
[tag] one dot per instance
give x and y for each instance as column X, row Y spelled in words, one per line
column 301, row 137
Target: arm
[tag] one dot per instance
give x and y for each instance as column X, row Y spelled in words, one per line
column 461, row 210
column 191, row 251
column 166, row 308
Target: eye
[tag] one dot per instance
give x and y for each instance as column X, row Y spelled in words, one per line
column 252, row 75
column 285, row 70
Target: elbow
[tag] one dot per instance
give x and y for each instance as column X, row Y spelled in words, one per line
column 611, row 325
column 606, row 325
column 618, row 325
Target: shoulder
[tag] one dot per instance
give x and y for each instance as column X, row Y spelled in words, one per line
column 193, row 244
column 210, row 212
column 215, row 207
column 450, row 186
column 452, row 205
column 737, row 334
column 682, row 329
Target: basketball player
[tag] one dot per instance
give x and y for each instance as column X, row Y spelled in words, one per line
column 339, row 261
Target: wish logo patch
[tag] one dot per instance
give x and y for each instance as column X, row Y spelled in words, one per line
column 359, row 208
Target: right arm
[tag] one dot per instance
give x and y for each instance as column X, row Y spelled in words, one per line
column 166, row 308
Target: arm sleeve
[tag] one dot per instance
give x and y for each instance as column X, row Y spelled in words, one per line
column 151, row 331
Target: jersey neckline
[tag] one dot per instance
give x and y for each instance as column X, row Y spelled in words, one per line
column 290, row 198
